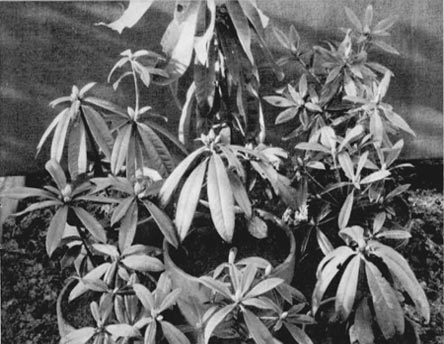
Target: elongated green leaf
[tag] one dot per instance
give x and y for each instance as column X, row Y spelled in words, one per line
column 131, row 16
column 143, row 263
column 257, row 227
column 188, row 199
column 346, row 165
column 328, row 268
column 185, row 117
column 361, row 330
column 346, row 292
column 172, row 334
column 25, row 192
column 58, row 141
column 353, row 234
column 257, row 329
column 144, row 295
column 384, row 25
column 324, row 243
column 80, row 336
column 120, row 148
column 150, row 333
column 220, row 198
column 77, row 150
column 96, row 273
column 240, row 194
column 375, row 176
column 279, row 101
column 286, row 115
column 40, row 205
column 164, row 132
column 57, row 173
column 99, row 130
column 240, row 22
column 95, row 285
column 91, row 224
column 215, row 320
column 164, row 223
column 128, row 226
column 49, row 129
column 388, row 311
column 123, row 330
column 312, row 146
column 346, row 209
column 216, row 286
column 169, row 300
column 173, row 180
column 386, row 47
column 394, row 234
column 353, row 19
column 56, row 230
column 261, row 303
column 298, row 334
column 159, row 157
column 404, row 277
column 399, row 122
column 121, row 209
column 264, row 286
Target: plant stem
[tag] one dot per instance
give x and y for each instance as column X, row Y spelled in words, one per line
column 85, row 243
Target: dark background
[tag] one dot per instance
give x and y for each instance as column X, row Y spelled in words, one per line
column 46, row 47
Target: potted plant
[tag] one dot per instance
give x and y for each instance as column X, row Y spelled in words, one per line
column 232, row 191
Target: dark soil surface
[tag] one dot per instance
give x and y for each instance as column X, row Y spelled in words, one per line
column 203, row 250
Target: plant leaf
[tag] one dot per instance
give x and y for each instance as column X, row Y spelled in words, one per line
column 279, row 101
column 240, row 194
column 188, row 199
column 375, row 176
column 128, row 226
column 49, row 129
column 58, row 140
column 99, row 130
column 144, row 295
column 56, row 230
column 215, row 320
column 346, row 292
column 172, row 334
column 80, row 336
column 131, row 16
column 361, row 330
column 298, row 334
column 324, row 243
column 353, row 19
column 143, row 263
column 169, row 300
column 220, row 198
column 240, row 22
column 25, row 192
column 264, row 286
column 388, row 311
column 120, row 148
column 328, row 268
column 345, row 212
column 91, row 224
column 257, row 227
column 346, row 165
column 163, row 222
column 150, row 333
column 57, row 173
column 216, row 286
column 257, row 329
column 96, row 273
column 286, row 115
column 401, row 272
column 39, row 205
column 173, row 180
column 123, row 330
column 394, row 234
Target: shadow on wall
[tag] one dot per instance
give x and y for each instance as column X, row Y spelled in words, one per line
column 48, row 46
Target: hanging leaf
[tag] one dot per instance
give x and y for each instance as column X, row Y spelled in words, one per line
column 188, row 199
column 120, row 149
column 240, row 22
column 257, row 329
column 346, row 165
column 99, row 130
column 215, row 320
column 361, row 330
column 388, row 311
column 172, row 334
column 346, row 292
column 79, row 336
column 375, row 176
column 128, row 225
column 58, row 141
column 220, row 198
column 324, row 243
column 298, row 334
column 143, row 263
column 49, row 129
column 240, row 194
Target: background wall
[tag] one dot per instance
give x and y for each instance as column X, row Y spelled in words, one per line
column 46, row 47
